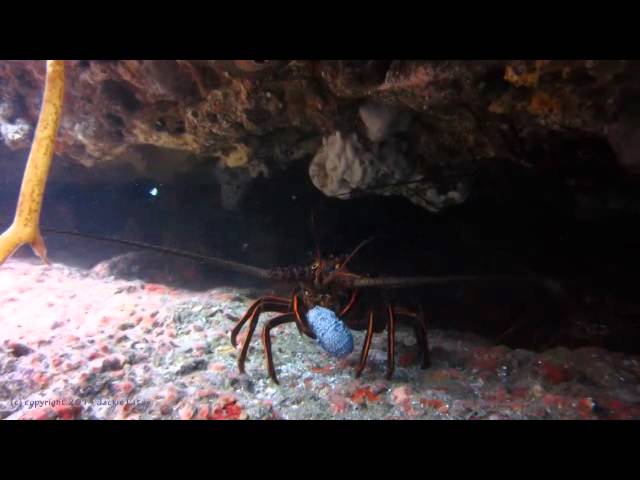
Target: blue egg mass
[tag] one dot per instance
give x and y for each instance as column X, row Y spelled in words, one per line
column 331, row 332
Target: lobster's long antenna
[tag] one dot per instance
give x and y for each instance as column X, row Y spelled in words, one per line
column 314, row 232
column 218, row 262
column 549, row 284
column 355, row 250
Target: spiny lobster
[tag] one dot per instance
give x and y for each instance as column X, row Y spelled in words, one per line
column 327, row 282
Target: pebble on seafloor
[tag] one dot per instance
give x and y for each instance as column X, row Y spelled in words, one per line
column 331, row 332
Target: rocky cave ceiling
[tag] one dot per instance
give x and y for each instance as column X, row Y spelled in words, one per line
column 426, row 130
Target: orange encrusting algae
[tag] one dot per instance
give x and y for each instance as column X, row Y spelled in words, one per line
column 26, row 224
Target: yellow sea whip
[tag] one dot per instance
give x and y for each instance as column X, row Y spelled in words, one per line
column 26, row 223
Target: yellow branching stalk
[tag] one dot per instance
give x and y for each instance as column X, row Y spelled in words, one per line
column 26, row 223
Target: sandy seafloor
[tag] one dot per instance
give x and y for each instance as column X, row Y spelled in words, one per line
column 80, row 344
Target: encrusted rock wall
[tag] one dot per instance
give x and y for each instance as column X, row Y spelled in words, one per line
column 421, row 129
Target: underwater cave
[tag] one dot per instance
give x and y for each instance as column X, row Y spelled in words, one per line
column 490, row 207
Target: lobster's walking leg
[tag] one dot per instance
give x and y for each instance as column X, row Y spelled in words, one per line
column 366, row 346
column 253, row 323
column 391, row 342
column 266, row 339
column 352, row 301
column 303, row 328
column 420, row 330
column 260, row 302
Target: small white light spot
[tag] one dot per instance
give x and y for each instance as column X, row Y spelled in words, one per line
column 153, row 192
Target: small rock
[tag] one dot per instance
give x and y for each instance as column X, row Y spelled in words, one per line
column 217, row 367
column 44, row 413
column 225, row 349
column 436, row 404
column 94, row 355
column 586, row 407
column 206, row 392
column 401, row 394
column 337, row 403
column 112, row 364
column 203, row 413
column 125, row 387
column 230, row 411
column 362, row 395
column 19, row 349
column 67, row 412
column 192, row 366
column 56, row 324
column 186, row 412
